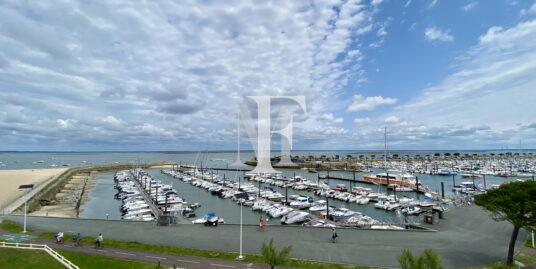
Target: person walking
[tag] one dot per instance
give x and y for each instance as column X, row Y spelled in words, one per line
column 98, row 241
column 77, row 239
column 261, row 224
column 333, row 235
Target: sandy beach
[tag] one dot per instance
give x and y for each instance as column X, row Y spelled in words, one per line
column 11, row 179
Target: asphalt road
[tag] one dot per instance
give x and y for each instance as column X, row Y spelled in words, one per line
column 467, row 237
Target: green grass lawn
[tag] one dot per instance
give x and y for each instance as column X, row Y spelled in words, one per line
column 11, row 226
column 529, row 241
column 26, row 259
column 522, row 257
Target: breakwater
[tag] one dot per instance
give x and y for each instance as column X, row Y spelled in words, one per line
column 48, row 196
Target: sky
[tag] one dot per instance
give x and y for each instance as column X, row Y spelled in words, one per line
column 169, row 75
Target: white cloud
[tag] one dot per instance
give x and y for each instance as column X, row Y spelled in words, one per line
column 433, row 33
column 150, row 71
column 376, row 2
column 330, row 118
column 469, row 6
column 361, row 121
column 361, row 103
column 331, row 130
column 432, row 4
column 412, row 26
column 531, row 10
column 391, row 119
column 407, row 3
column 497, row 72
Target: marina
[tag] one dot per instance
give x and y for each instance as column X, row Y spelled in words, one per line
column 381, row 197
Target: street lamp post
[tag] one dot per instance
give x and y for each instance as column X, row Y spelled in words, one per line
column 240, row 255
column 29, row 186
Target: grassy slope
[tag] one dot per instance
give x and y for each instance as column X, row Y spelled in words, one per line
column 522, row 257
column 25, row 259
column 11, row 226
column 529, row 241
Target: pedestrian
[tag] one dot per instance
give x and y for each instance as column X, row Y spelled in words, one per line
column 261, row 224
column 98, row 241
column 77, row 239
column 333, row 235
column 59, row 237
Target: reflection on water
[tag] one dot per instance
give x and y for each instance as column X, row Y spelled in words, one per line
column 102, row 200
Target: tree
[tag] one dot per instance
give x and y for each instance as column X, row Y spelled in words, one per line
column 447, row 154
column 514, row 202
column 273, row 257
column 395, row 155
column 361, row 156
column 427, row 260
column 349, row 156
column 372, row 156
column 437, row 154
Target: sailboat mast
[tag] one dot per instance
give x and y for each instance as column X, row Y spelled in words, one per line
column 385, row 148
column 238, row 133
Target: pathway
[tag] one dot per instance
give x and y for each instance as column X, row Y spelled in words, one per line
column 467, row 237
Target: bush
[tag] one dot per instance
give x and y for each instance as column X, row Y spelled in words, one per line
column 427, row 260
column 273, row 257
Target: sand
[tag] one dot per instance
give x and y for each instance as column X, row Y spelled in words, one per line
column 163, row 166
column 65, row 202
column 11, row 179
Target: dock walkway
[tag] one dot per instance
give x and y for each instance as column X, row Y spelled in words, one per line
column 146, row 197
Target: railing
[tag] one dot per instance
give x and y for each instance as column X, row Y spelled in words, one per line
column 44, row 247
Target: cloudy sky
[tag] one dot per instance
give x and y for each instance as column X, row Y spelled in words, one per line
column 168, row 75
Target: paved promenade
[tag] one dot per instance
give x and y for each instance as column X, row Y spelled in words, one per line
column 466, row 237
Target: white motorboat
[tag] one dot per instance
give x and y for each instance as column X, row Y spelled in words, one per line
column 318, row 206
column 294, row 217
column 302, row 202
column 280, row 211
column 259, row 205
column 342, row 214
column 381, row 204
column 403, row 189
column 411, row 210
column 210, row 218
column 362, row 200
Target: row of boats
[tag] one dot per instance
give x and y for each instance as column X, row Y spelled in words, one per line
column 295, row 209
column 358, row 195
column 509, row 166
column 142, row 195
